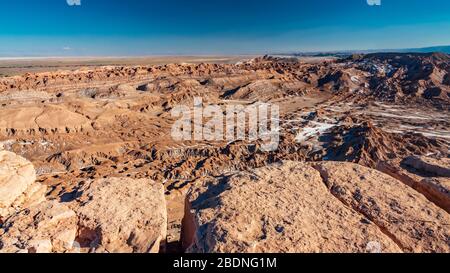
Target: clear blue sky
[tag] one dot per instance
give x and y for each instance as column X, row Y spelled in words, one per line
column 145, row 27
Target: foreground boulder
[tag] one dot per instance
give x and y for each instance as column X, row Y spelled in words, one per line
column 108, row 215
column 298, row 207
column 17, row 184
column 45, row 228
column 115, row 215
column 414, row 223
column 284, row 208
column 122, row 215
column 29, row 223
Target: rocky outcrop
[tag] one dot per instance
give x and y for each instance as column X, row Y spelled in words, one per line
column 17, row 184
column 45, row 228
column 368, row 145
column 285, row 208
column 432, row 166
column 403, row 214
column 46, row 119
column 31, row 224
column 107, row 215
column 323, row 207
column 122, row 215
column 429, row 176
column 80, row 126
column 408, row 76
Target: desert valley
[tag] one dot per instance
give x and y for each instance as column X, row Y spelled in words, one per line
column 88, row 162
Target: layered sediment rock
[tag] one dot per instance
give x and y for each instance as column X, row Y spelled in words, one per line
column 47, row 119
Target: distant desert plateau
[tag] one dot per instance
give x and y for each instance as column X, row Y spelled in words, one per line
column 12, row 66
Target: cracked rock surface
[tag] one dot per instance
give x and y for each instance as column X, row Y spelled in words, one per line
column 105, row 216
column 119, row 215
column 44, row 228
column 300, row 207
column 405, row 215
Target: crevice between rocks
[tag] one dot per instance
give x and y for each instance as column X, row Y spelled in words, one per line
column 430, row 193
column 188, row 227
column 381, row 227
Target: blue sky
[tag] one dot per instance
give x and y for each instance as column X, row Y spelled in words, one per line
column 146, row 27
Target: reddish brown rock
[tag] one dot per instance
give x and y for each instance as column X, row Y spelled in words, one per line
column 17, row 184
column 122, row 215
column 285, row 208
column 414, row 223
column 426, row 175
column 324, row 207
column 44, row 228
column 434, row 167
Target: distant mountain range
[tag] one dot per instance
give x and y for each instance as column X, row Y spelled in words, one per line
column 443, row 49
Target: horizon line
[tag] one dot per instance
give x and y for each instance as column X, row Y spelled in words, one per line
column 287, row 52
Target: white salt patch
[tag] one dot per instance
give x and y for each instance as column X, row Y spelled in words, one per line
column 309, row 132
